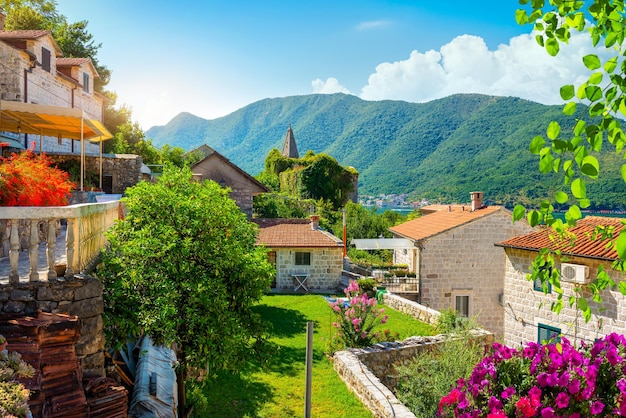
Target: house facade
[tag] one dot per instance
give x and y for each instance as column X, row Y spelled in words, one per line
column 218, row 168
column 455, row 260
column 528, row 315
column 33, row 70
column 300, row 250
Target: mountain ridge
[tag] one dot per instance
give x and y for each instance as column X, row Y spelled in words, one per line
column 440, row 150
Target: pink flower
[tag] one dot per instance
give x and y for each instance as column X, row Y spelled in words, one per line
column 562, row 400
column 596, row 407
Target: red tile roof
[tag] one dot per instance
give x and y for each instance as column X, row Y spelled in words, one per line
column 293, row 233
column 23, row 34
column 440, row 221
column 583, row 246
column 71, row 62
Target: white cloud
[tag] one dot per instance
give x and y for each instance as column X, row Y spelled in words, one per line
column 466, row 65
column 331, row 85
column 374, row 24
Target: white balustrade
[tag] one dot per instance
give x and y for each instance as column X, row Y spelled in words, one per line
column 84, row 238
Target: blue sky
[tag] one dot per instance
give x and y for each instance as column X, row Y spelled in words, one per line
column 212, row 57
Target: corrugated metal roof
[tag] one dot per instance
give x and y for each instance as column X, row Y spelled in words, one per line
column 382, row 244
column 440, row 221
column 583, row 245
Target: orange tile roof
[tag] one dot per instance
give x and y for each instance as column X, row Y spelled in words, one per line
column 440, row 221
column 583, row 246
column 71, row 62
column 290, row 233
column 23, row 34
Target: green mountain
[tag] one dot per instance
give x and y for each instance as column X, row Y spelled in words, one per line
column 440, row 150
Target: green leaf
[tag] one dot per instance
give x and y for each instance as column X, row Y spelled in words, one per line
column 622, row 107
column 533, row 217
column 567, row 91
column 590, row 166
column 610, row 65
column 573, row 214
column 518, row 212
column 561, row 197
column 552, row 46
column 582, row 304
column 595, row 78
column 569, row 109
column 554, row 129
column 545, row 163
column 623, row 170
column 593, row 93
column 579, row 189
column 521, row 17
column 620, row 245
column 536, row 144
column 622, row 287
column 580, row 127
column 591, row 61
column 584, row 203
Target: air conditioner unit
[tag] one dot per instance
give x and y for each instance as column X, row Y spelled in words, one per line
column 575, row 273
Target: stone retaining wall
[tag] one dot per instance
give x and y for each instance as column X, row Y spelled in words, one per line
column 370, row 372
column 77, row 297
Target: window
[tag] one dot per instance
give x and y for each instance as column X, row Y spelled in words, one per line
column 86, row 82
column 538, row 286
column 546, row 334
column 303, row 259
column 461, row 304
column 271, row 257
column 45, row 59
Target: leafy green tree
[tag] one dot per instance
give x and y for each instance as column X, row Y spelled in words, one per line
column 183, row 267
column 572, row 153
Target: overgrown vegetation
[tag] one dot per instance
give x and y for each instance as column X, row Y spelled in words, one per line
column 433, row 373
column 13, row 395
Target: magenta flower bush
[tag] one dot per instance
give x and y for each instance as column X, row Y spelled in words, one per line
column 548, row 381
column 356, row 317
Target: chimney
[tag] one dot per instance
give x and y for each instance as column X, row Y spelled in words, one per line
column 477, row 200
column 2, row 16
column 315, row 222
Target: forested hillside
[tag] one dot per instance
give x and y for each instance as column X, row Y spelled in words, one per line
column 439, row 150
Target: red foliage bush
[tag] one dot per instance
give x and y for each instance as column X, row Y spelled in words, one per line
column 28, row 179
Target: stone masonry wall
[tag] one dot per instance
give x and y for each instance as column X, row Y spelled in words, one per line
column 324, row 271
column 465, row 262
column 125, row 169
column 525, row 307
column 77, row 297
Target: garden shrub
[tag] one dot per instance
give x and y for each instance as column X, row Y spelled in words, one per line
column 356, row 317
column 553, row 380
column 451, row 321
column 13, row 395
column 366, row 285
column 432, row 374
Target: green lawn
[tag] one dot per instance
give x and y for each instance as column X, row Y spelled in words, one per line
column 277, row 390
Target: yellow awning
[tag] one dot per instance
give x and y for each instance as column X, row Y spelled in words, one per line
column 52, row 121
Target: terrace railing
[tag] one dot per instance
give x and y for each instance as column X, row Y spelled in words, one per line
column 84, row 227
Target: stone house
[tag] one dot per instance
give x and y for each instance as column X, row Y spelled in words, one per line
column 218, row 168
column 455, row 260
column 528, row 316
column 33, row 70
column 301, row 251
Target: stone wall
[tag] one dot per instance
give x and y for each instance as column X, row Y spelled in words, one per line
column 324, row 270
column 526, row 308
column 370, row 372
column 465, row 262
column 411, row 308
column 77, row 297
column 125, row 169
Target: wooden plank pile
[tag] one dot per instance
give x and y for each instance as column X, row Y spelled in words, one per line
column 47, row 342
column 106, row 399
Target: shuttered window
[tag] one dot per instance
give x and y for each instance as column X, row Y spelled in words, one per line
column 546, row 334
column 45, row 59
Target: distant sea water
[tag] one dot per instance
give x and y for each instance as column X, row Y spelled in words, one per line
column 560, row 215
column 401, row 209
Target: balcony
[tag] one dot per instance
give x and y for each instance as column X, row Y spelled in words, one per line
column 41, row 237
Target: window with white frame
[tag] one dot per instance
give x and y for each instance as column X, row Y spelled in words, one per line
column 461, row 304
column 86, row 82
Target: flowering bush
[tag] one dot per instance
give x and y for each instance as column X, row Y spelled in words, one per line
column 28, row 179
column 356, row 317
column 548, row 381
